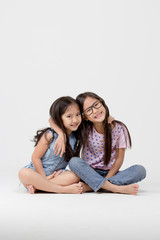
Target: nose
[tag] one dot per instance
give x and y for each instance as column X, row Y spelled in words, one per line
column 94, row 110
column 75, row 119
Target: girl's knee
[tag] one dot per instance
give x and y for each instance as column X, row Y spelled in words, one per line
column 24, row 173
column 74, row 161
column 141, row 171
column 21, row 173
column 74, row 177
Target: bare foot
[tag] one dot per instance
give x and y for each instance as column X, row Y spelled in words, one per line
column 74, row 188
column 86, row 188
column 131, row 189
column 31, row 189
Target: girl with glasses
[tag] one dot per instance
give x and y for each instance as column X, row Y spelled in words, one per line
column 103, row 150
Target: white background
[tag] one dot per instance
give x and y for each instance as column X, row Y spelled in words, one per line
column 53, row 48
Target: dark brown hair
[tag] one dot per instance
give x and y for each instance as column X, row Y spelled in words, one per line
column 88, row 125
column 57, row 109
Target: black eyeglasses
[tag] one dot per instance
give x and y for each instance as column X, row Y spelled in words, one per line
column 95, row 105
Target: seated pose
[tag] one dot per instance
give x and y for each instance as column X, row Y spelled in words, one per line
column 103, row 150
column 40, row 173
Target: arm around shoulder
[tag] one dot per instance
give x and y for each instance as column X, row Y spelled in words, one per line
column 60, row 144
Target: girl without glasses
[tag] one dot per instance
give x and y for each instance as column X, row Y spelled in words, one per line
column 45, row 165
column 103, row 150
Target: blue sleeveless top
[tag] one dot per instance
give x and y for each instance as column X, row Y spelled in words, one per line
column 50, row 161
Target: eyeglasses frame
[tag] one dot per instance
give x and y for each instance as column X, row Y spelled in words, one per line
column 100, row 100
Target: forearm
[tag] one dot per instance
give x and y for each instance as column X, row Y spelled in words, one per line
column 115, row 168
column 38, row 166
column 60, row 143
column 118, row 162
column 55, row 127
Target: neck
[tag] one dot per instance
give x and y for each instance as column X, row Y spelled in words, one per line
column 99, row 127
column 68, row 132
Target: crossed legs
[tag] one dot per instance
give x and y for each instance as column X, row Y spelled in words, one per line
column 67, row 182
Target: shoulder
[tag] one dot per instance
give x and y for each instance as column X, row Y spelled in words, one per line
column 117, row 127
column 48, row 135
column 45, row 139
column 113, row 124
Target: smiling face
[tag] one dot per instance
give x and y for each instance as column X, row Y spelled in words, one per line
column 71, row 118
column 97, row 114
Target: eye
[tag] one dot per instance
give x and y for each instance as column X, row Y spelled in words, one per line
column 69, row 116
column 78, row 114
column 96, row 104
column 88, row 110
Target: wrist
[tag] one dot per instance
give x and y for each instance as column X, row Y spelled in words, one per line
column 61, row 134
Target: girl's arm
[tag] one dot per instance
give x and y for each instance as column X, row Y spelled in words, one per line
column 118, row 162
column 39, row 151
column 60, row 143
column 55, row 127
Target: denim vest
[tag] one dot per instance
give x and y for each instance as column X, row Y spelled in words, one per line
column 50, row 161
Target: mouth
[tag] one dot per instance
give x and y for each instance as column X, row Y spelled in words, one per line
column 98, row 115
column 75, row 125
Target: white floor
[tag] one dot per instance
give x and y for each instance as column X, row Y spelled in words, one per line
column 86, row 216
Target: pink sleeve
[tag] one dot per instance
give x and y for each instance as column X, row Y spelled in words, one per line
column 123, row 140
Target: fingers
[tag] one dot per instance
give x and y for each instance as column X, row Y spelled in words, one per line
column 62, row 152
column 60, row 144
column 52, row 175
column 56, row 149
column 59, row 150
column 58, row 172
column 110, row 119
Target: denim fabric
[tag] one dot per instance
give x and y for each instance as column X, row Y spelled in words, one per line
column 95, row 178
column 133, row 174
column 86, row 173
column 50, row 161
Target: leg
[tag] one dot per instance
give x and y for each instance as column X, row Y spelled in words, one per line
column 30, row 177
column 128, row 176
column 86, row 173
column 123, row 181
column 131, row 189
column 95, row 180
column 21, row 176
column 69, row 177
column 66, row 178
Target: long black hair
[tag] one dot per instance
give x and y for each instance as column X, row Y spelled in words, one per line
column 57, row 109
column 88, row 125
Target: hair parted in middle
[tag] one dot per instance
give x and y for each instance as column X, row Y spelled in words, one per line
column 88, row 125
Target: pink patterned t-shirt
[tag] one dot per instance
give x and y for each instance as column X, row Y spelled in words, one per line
column 94, row 151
